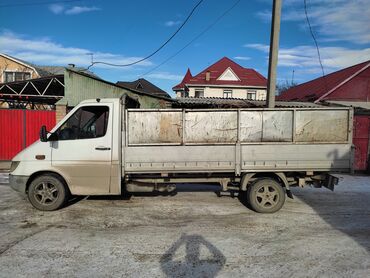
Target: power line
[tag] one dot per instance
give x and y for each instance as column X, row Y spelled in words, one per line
column 195, row 38
column 37, row 3
column 314, row 39
column 158, row 49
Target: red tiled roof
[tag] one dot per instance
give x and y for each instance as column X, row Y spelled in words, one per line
column 318, row 88
column 248, row 77
column 185, row 80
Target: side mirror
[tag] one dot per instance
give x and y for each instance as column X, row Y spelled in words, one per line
column 43, row 134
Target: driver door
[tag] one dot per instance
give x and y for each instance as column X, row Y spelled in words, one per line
column 82, row 149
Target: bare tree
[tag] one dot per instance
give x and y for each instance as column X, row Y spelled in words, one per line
column 284, row 85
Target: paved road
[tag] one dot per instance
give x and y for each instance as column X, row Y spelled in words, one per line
column 191, row 234
column 4, row 178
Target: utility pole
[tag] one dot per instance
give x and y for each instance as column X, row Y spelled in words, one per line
column 274, row 50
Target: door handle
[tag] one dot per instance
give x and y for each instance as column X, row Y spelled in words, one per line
column 102, row 148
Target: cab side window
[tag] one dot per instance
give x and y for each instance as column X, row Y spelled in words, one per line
column 86, row 123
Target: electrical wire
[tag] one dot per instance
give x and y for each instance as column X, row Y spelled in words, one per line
column 194, row 39
column 37, row 3
column 314, row 39
column 157, row 50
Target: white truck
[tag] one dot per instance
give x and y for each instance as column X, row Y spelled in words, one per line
column 104, row 147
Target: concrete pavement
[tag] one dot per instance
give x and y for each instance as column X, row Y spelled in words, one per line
column 192, row 234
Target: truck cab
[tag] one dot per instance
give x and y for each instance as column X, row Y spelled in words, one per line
column 79, row 156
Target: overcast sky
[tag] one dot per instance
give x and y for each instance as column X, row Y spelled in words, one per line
column 59, row 33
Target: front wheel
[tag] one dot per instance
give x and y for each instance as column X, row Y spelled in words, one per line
column 266, row 195
column 47, row 192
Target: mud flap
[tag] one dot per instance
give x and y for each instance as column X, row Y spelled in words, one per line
column 330, row 181
column 289, row 194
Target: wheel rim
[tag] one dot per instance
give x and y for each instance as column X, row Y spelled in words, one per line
column 46, row 193
column 267, row 196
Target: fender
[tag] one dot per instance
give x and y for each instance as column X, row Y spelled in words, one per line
column 41, row 172
column 247, row 177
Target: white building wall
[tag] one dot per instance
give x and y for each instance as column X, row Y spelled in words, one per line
column 219, row 92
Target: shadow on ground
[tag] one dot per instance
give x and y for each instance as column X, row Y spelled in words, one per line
column 346, row 209
column 180, row 188
column 202, row 259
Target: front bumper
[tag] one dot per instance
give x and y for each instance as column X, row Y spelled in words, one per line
column 18, row 183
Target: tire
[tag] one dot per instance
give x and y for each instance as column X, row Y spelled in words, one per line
column 48, row 192
column 266, row 195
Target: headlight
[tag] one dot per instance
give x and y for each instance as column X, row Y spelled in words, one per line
column 14, row 165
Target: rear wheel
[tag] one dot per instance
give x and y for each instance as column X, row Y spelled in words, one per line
column 47, row 192
column 266, row 195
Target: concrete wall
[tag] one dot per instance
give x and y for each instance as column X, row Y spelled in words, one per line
column 219, row 92
column 10, row 65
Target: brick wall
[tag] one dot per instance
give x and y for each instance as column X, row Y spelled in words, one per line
column 61, row 111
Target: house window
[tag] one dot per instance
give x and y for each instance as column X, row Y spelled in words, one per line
column 11, row 76
column 27, row 75
column 251, row 95
column 228, row 93
column 184, row 94
column 199, row 93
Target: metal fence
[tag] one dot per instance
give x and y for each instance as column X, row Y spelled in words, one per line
column 20, row 128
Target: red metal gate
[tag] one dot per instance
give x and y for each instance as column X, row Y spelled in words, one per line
column 20, row 128
column 361, row 141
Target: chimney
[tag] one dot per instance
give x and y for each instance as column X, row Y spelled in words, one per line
column 208, row 76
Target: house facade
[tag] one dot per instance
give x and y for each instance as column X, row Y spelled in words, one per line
column 223, row 79
column 349, row 87
column 12, row 69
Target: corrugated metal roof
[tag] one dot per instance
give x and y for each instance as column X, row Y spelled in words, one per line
column 287, row 104
column 317, row 88
column 56, row 70
column 355, row 104
column 190, row 102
